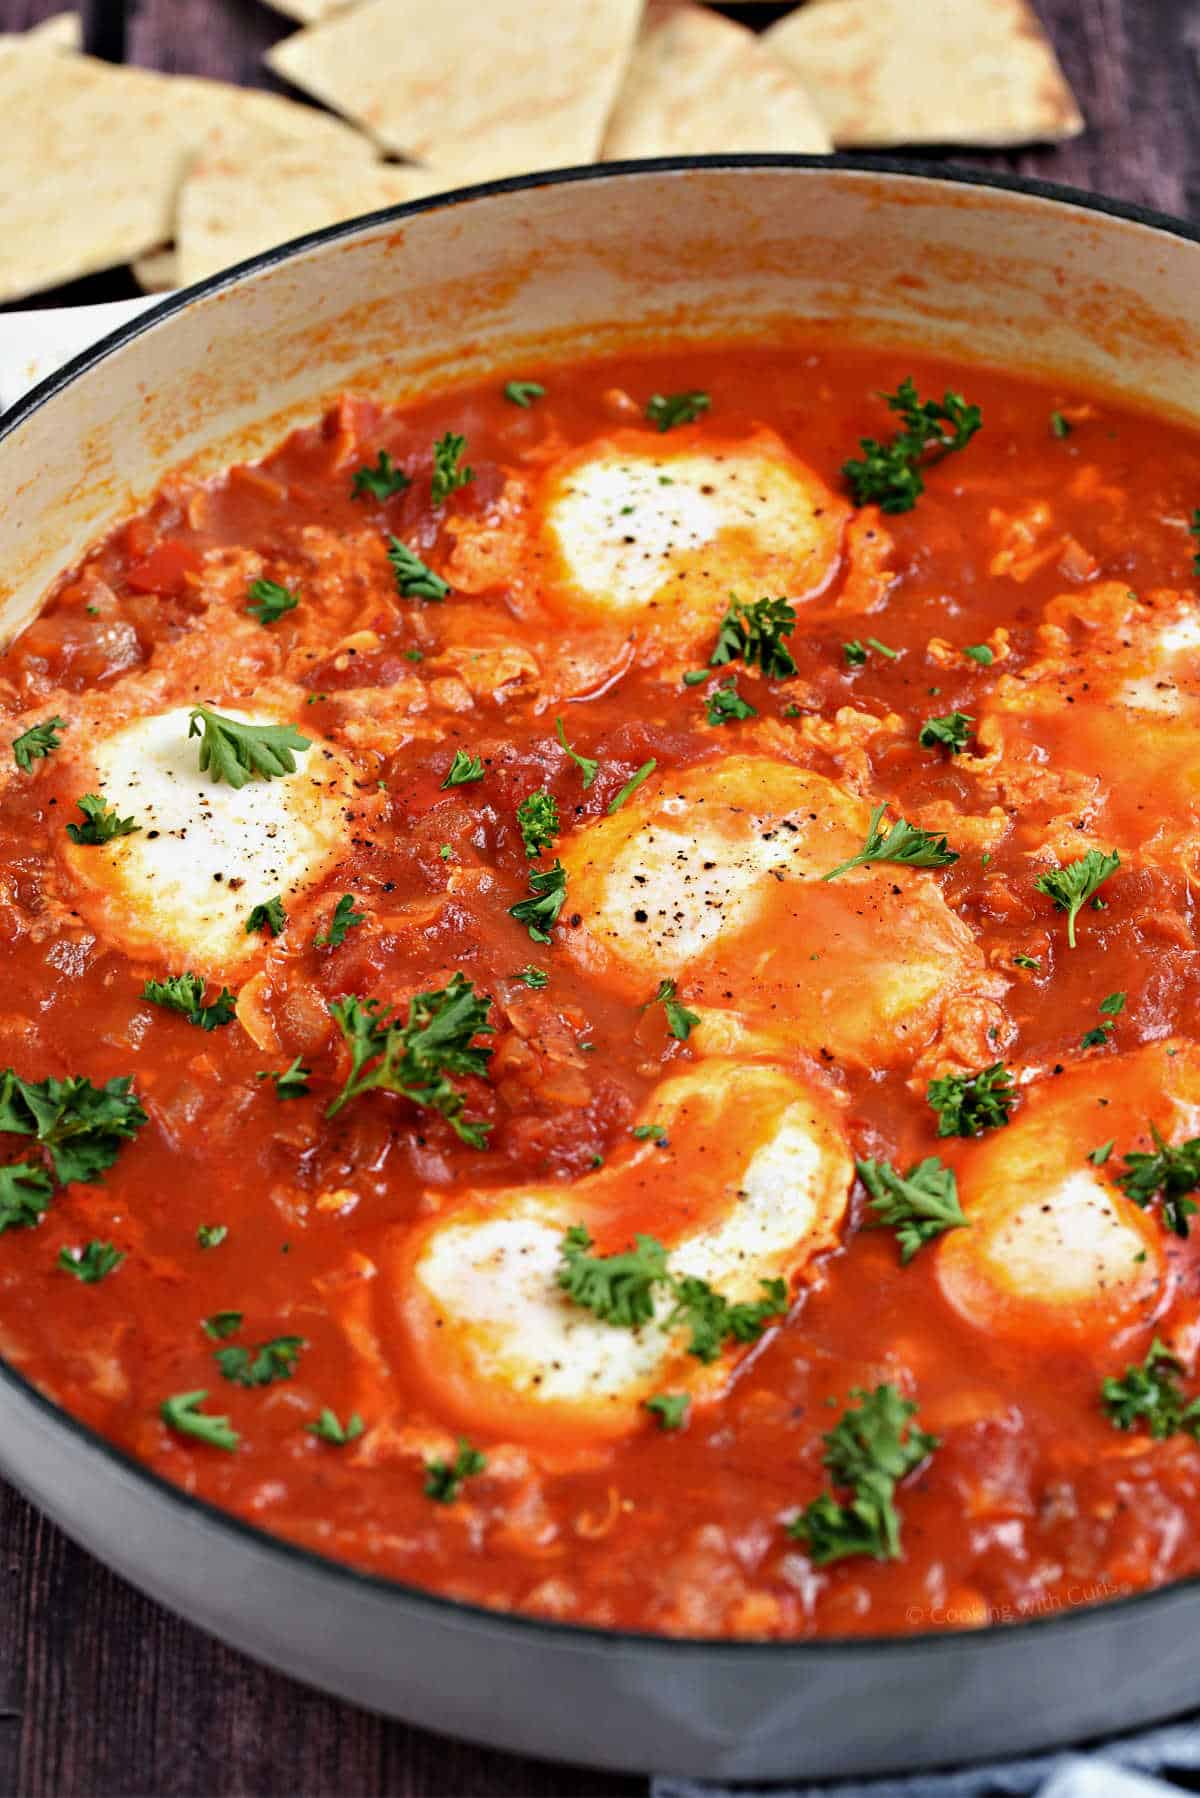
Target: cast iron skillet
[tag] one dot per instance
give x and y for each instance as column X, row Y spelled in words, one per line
column 807, row 234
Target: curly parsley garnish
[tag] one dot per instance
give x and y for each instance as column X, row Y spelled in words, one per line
column 462, row 771
column 81, row 1125
column 182, row 1413
column 755, row 635
column 268, row 915
column 381, row 481
column 413, row 579
column 951, row 732
column 1151, row 1393
column 918, row 1205
column 1172, row 1171
column 444, row 1479
column 680, row 1021
column 547, row 895
column 328, row 1429
column 588, row 768
column 968, row 1104
column 725, row 704
column 100, row 822
column 237, row 752
column 1072, row 886
column 523, row 393
column 39, row 740
column 292, row 1083
column 868, row 1452
column 902, row 843
column 889, row 474
column 417, row 1057
column 92, row 1262
column 184, row 993
column 666, row 410
column 344, row 920
column 269, row 601
column 537, row 816
column 448, row 472
column 262, row 1365
column 712, row 1320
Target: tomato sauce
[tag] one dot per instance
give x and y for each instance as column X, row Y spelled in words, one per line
column 1023, row 543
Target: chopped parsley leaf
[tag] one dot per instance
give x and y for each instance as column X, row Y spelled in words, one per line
column 889, row 475
column 416, row 1058
column 221, row 1325
column 269, row 601
column 537, row 816
column 1152, row 1394
column 671, row 1409
column 182, row 1413
column 237, row 752
column 39, row 740
column 443, row 1479
column 533, row 977
column 463, row 770
column 981, row 653
column 918, row 1205
column 448, row 472
column 1059, row 426
column 951, row 732
column 292, row 1083
column 25, row 1194
column 713, row 1321
column 695, row 676
column 1194, row 531
column 381, row 481
column 1099, row 1156
column 547, row 895
column 90, row 1263
column 869, row 1450
column 631, row 785
column 269, row 915
column 263, row 1365
column 209, row 1236
column 82, row 1126
column 618, row 1289
column 1072, row 886
column 671, row 409
column 725, row 704
column 587, row 767
column 1028, row 961
column 856, row 652
column 969, row 1104
column 523, row 393
column 649, row 1133
column 328, row 1429
column 680, row 1021
column 755, row 634
column 1111, row 1008
column 413, row 579
column 184, row 993
column 903, row 843
column 100, row 822
column 1172, row 1171
column 344, row 920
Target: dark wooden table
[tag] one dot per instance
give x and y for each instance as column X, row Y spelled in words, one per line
column 102, row 1694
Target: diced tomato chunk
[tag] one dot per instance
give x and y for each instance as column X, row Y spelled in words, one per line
column 165, row 568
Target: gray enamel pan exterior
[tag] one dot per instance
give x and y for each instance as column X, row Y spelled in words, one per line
column 492, row 279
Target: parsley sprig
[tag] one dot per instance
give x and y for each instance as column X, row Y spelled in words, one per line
column 725, row 704
column 381, row 481
column 588, row 768
column 236, row 752
column 902, row 843
column 269, row 601
column 950, row 732
column 416, row 1058
column 464, row 769
column 262, row 1365
column 292, row 1083
column 38, row 741
column 182, row 1412
column 81, row 1126
column 872, row 1447
column 969, row 1104
column 755, row 635
column 666, row 410
column 25, row 1194
column 413, row 579
column 1172, row 1171
column 1072, row 886
column 680, row 1021
column 327, row 1428
column 269, row 914
column 344, row 920
column 90, row 1263
column 100, row 822
column 918, row 1205
column 547, row 895
column 889, row 474
column 449, row 473
column 444, row 1479
column 1151, row 1393
column 523, row 393
column 184, row 993
column 537, row 816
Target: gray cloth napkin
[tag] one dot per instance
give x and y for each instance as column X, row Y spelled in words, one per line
column 1139, row 1766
